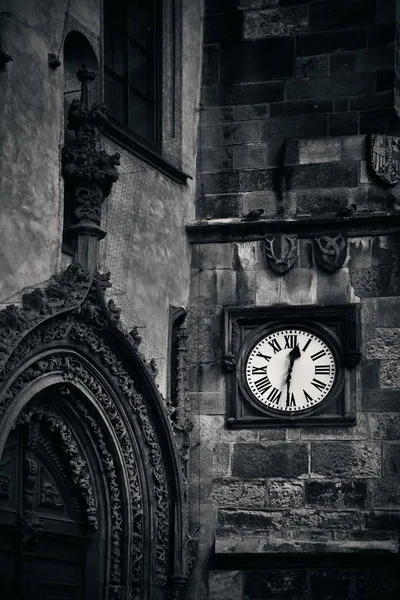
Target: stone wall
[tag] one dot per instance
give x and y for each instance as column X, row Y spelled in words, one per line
column 291, row 90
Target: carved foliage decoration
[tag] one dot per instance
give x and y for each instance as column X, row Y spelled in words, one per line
column 281, row 252
column 385, row 157
column 72, row 310
column 330, row 252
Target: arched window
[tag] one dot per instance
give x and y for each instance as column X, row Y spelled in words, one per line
column 132, row 67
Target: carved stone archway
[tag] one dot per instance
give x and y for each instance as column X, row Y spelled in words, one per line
column 67, row 366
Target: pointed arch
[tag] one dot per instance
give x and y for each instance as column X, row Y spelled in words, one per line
column 64, row 360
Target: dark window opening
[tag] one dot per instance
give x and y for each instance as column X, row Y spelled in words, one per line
column 132, row 67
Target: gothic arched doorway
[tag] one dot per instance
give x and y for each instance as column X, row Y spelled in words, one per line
column 92, row 493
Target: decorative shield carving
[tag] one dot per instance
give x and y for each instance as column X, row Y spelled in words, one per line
column 330, row 252
column 281, row 252
column 385, row 157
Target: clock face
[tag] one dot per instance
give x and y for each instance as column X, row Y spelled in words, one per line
column 290, row 370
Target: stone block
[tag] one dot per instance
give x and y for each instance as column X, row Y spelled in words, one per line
column 380, row 519
column 292, row 152
column 336, row 494
column 373, row 584
column 342, row 62
column 295, row 127
column 216, row 114
column 340, row 105
column 221, row 460
column 219, row 6
column 319, row 151
column 381, row 35
column 370, row 101
column 266, row 199
column 283, row 584
column 341, row 14
column 328, row 42
column 221, row 206
column 298, row 286
column 213, row 429
column 286, row 494
column 388, row 312
column 322, row 201
column 254, row 111
column 343, row 123
column 312, row 66
column 208, row 403
column 385, row 250
column 276, row 153
column 359, row 253
column 258, row 179
column 320, row 88
column 268, row 286
column 385, row 344
column 333, row 288
column 220, row 182
column 224, row 287
column 247, row 256
column 225, row 585
column 381, row 400
column 330, row 584
column 307, row 519
column 345, row 459
column 205, row 337
column 372, row 282
column 247, row 521
column 354, row 147
column 372, row 120
column 223, row 27
column 250, row 156
column 390, row 374
column 270, row 460
column 212, row 256
column 239, row 494
column 272, row 435
column 340, row 174
column 385, row 11
column 247, row 62
column 247, row 4
column 370, row 378
column 391, row 460
column 385, row 493
column 219, row 134
column 276, row 22
column 375, row 58
column 207, row 379
column 251, row 93
column 359, row 432
column 216, row 159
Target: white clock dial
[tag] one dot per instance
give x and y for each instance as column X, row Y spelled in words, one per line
column 290, row 370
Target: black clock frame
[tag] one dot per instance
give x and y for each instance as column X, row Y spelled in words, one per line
column 338, row 326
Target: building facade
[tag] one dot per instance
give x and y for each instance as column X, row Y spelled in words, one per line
column 218, row 418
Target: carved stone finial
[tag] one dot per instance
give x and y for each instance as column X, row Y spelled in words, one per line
column 89, row 172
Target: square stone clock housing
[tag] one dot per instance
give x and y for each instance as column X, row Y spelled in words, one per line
column 292, row 365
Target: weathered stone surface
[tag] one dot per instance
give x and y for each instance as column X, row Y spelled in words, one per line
column 240, row 494
column 266, row 199
column 381, row 400
column 258, row 179
column 391, row 460
column 216, row 159
column 390, row 374
column 375, row 58
column 360, row 253
column 295, row 127
column 247, row 256
column 282, row 584
column 249, row 521
column 275, row 22
column 336, row 494
column 370, row 378
column 231, row 133
column 350, row 84
column 370, row 585
column 330, row 585
column 221, row 460
column 385, row 493
column 312, row 66
column 388, row 312
column 334, row 288
column 223, row 28
column 247, row 4
column 319, row 151
column 342, row 62
column 286, row 494
column 208, row 403
column 250, row 156
column 374, row 281
column 338, row 174
column 272, row 91
column 224, row 287
column 354, row 147
column 326, row 42
column 220, row 182
column 221, row 206
column 341, row 14
column 359, row 432
column 346, row 459
column 343, row 124
column 252, row 111
column 299, row 286
column 215, row 114
column 212, row 256
column 385, row 520
column 213, row 429
column 205, row 343
column 225, row 585
column 318, row 519
column 273, row 460
column 322, row 201
column 369, row 101
column 385, row 344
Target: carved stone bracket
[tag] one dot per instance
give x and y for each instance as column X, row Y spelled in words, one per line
column 330, row 252
column 229, row 361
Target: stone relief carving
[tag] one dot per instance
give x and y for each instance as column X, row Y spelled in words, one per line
column 50, row 496
column 330, row 252
column 281, row 252
column 385, row 157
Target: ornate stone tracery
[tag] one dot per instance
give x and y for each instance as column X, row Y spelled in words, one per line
column 77, row 342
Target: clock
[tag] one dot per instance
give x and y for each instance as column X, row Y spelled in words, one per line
column 290, row 369
column 291, row 365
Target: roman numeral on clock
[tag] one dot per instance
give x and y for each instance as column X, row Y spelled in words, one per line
column 322, row 369
column 306, row 345
column 308, row 397
column 274, row 396
column 259, row 370
column 290, row 341
column 275, row 346
column 318, row 355
column 318, row 384
column 291, row 401
column 263, row 384
column 267, row 358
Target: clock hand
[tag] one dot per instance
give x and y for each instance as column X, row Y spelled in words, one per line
column 293, row 354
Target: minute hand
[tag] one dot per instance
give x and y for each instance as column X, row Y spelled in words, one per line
column 293, row 354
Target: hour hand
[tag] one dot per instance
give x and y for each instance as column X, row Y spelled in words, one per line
column 294, row 353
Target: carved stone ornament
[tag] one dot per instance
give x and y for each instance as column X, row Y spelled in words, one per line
column 63, row 322
column 385, row 157
column 281, row 252
column 330, row 252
